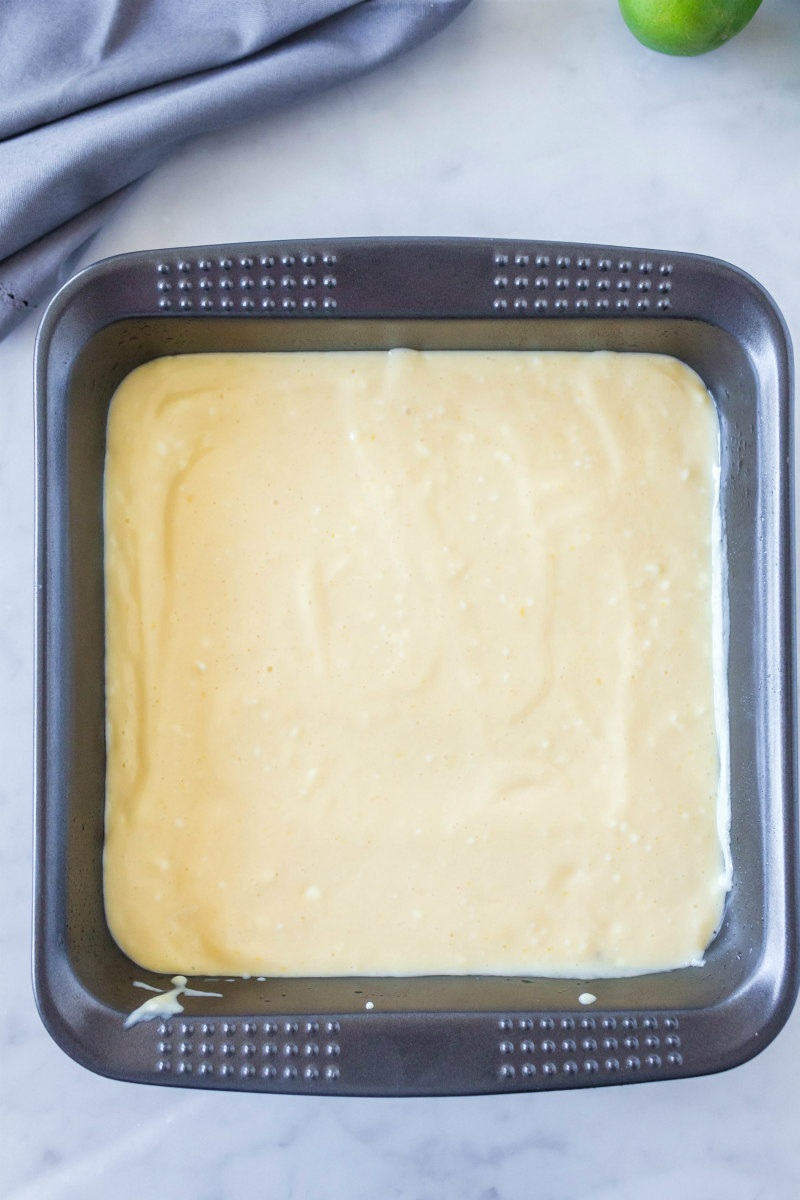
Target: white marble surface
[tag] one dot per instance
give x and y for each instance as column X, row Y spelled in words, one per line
column 522, row 120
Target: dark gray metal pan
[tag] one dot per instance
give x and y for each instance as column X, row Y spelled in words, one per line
column 423, row 1036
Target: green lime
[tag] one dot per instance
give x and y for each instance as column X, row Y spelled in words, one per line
column 686, row 26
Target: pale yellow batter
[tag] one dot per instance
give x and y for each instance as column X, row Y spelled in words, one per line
column 409, row 664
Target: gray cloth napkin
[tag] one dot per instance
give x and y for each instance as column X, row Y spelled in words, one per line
column 96, row 92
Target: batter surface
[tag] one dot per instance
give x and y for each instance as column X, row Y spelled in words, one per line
column 409, row 664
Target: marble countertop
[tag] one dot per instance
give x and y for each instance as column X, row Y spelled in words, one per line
column 522, row 120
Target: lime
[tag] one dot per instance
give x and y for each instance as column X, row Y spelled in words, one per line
column 686, row 26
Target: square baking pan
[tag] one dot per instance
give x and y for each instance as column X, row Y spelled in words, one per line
column 442, row 1035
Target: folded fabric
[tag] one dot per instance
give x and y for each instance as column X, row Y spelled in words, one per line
column 97, row 92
